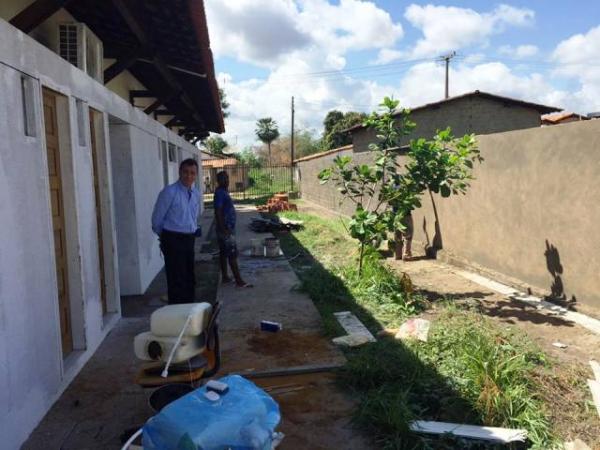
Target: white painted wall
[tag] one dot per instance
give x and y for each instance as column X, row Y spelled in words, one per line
column 138, row 178
column 29, row 336
column 33, row 372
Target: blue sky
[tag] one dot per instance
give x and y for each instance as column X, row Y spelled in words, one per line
column 348, row 54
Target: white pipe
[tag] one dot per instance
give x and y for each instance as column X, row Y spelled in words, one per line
column 165, row 372
column 131, row 439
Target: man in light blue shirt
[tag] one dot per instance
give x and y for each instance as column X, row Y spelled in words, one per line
column 175, row 221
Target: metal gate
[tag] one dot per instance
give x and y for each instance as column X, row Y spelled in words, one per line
column 249, row 182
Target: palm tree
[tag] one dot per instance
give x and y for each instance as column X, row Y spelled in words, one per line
column 267, row 132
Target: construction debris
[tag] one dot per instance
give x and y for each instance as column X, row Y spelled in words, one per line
column 357, row 335
column 504, row 435
column 414, row 329
column 279, row 202
column 595, row 388
column 272, row 225
column 595, row 384
column 351, row 340
column 577, row 444
column 596, row 369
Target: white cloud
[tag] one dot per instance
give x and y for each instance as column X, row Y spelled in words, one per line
column 324, row 34
column 513, row 16
column 295, row 40
column 578, row 57
column 388, row 55
column 521, row 51
column 447, row 28
column 425, row 83
column 256, row 31
column 266, row 32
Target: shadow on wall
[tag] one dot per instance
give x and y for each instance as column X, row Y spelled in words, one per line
column 434, row 245
column 555, row 267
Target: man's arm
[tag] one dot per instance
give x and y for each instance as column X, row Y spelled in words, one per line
column 162, row 205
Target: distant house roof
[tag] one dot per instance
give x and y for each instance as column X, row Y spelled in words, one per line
column 560, row 117
column 543, row 109
column 208, row 155
column 219, row 163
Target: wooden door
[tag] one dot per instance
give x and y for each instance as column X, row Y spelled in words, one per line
column 58, row 219
column 95, row 164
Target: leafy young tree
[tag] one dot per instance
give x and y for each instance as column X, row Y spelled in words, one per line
column 216, row 145
column 267, row 132
column 386, row 192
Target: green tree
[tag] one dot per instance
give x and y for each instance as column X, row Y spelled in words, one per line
column 385, row 192
column 224, row 103
column 335, row 125
column 248, row 157
column 267, row 132
column 215, row 145
column 305, row 143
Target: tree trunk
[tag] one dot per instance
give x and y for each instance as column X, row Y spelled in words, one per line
column 360, row 261
column 269, row 146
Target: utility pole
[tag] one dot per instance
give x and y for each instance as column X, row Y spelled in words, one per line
column 292, row 149
column 447, row 59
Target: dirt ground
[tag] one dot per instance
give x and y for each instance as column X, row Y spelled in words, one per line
column 565, row 387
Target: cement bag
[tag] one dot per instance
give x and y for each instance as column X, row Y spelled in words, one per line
column 244, row 418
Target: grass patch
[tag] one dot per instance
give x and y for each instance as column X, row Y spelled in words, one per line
column 471, row 370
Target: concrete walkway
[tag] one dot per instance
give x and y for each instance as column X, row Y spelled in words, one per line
column 103, row 400
column 315, row 413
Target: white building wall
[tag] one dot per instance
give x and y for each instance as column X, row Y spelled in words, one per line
column 33, row 372
column 148, row 181
column 30, row 363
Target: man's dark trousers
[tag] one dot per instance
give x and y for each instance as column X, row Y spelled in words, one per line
column 178, row 249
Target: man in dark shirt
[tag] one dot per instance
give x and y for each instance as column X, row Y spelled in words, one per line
column 225, row 221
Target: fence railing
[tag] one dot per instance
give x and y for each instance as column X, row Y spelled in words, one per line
column 248, row 182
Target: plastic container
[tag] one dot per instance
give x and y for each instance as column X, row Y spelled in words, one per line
column 244, row 418
column 272, row 248
column 257, row 247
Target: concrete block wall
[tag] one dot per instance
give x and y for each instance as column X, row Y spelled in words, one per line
column 531, row 214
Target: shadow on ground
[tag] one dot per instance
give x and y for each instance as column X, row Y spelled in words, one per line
column 394, row 386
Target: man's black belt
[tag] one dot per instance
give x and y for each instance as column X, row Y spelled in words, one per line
column 177, row 233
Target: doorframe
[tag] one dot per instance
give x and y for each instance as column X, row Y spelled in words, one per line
column 66, row 117
column 109, row 251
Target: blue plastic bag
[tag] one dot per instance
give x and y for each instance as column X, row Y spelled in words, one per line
column 244, row 418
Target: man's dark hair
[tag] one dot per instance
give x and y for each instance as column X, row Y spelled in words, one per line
column 221, row 176
column 188, row 162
